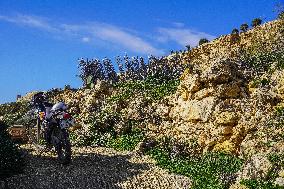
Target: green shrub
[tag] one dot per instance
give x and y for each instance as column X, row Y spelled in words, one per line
column 262, row 61
column 203, row 41
column 152, row 88
column 277, row 120
column 11, row 161
column 110, row 139
column 276, row 159
column 256, row 22
column 260, row 82
column 188, row 47
column 212, row 170
column 259, row 184
column 277, row 162
column 235, row 31
column 281, row 15
column 126, row 141
column 244, row 27
column 14, row 111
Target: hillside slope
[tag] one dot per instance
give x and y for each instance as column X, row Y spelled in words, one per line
column 230, row 99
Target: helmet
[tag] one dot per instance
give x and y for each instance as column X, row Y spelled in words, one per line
column 59, row 106
column 39, row 98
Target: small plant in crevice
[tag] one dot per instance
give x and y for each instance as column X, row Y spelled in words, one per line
column 277, row 119
column 260, row 82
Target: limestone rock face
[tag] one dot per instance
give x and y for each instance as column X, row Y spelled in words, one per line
column 279, row 181
column 219, row 72
column 195, row 110
column 227, row 118
column 256, row 168
column 193, row 84
column 218, row 105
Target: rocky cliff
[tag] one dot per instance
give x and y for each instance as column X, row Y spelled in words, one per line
column 229, row 99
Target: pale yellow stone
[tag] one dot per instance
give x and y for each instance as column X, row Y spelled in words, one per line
column 202, row 139
column 191, row 82
column 226, row 146
column 185, row 73
column 225, row 130
column 227, row 118
column 203, row 93
column 185, row 95
column 281, row 173
column 199, row 110
column 238, row 186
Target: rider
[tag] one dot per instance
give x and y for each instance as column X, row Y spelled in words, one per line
column 40, row 102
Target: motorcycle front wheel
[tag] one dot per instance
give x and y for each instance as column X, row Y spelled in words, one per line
column 60, row 139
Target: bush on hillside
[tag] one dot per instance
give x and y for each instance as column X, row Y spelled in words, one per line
column 12, row 112
column 244, row 27
column 281, row 15
column 11, row 161
column 235, row 31
column 256, row 22
column 188, row 47
column 203, row 41
column 129, row 69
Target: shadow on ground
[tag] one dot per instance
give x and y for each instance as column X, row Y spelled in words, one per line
column 87, row 170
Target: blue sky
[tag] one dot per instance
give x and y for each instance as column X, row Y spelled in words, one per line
column 41, row 40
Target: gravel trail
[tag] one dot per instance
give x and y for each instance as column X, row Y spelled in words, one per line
column 95, row 168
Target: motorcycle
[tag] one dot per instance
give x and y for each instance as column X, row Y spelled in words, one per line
column 53, row 121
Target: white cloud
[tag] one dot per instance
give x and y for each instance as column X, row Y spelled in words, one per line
column 118, row 37
column 108, row 35
column 178, row 24
column 182, row 36
column 30, row 21
column 86, row 39
column 114, row 35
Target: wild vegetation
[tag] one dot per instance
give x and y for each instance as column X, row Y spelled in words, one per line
column 139, row 104
column 11, row 161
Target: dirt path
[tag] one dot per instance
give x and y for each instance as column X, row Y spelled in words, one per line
column 96, row 168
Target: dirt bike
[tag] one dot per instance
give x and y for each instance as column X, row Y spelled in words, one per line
column 56, row 121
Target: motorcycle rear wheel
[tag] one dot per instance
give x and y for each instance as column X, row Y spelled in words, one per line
column 60, row 139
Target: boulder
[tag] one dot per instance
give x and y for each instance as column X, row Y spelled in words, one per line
column 238, row 186
column 191, row 83
column 226, row 146
column 206, row 92
column 227, row 118
column 201, row 110
column 279, row 181
column 231, row 90
column 257, row 167
column 219, row 72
